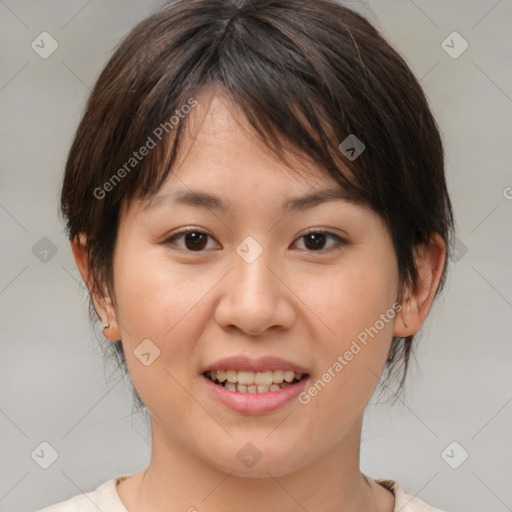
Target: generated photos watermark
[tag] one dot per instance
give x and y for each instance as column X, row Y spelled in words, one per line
column 145, row 149
column 355, row 348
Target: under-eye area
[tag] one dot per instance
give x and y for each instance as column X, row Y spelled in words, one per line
column 255, row 382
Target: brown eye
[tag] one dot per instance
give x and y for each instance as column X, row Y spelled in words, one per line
column 194, row 240
column 315, row 241
column 197, row 241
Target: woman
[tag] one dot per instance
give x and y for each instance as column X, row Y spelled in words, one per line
column 255, row 198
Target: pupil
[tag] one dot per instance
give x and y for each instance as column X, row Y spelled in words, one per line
column 317, row 238
column 198, row 240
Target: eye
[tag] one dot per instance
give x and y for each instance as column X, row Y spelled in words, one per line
column 196, row 240
column 314, row 241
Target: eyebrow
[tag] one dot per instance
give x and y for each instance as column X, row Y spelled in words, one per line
column 211, row 202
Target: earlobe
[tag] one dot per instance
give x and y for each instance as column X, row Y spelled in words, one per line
column 430, row 261
column 102, row 301
column 111, row 330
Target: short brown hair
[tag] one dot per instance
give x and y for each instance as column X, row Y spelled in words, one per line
column 306, row 74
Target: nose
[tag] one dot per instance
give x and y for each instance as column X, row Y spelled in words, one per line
column 255, row 297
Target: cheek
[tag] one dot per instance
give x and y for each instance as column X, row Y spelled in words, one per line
column 355, row 306
column 156, row 297
column 352, row 297
column 159, row 309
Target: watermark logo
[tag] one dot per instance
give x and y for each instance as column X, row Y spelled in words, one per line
column 44, row 45
column 454, row 455
column 44, row 455
column 249, row 250
column 145, row 149
column 454, row 45
column 355, row 348
column 459, row 250
column 146, row 352
column 249, row 455
column 44, row 250
column 351, row 147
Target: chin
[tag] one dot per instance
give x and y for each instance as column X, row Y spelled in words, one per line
column 249, row 462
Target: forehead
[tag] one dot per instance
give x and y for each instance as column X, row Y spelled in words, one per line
column 221, row 153
column 218, row 130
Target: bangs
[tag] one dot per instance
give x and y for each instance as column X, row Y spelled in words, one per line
column 266, row 77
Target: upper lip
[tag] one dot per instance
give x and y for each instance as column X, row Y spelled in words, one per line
column 254, row 365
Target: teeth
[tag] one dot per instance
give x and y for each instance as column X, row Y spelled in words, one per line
column 254, row 382
column 263, row 378
column 278, row 376
column 230, row 386
column 288, row 376
column 231, row 376
column 246, row 378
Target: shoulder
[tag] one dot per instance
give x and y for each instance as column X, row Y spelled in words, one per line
column 406, row 502
column 105, row 498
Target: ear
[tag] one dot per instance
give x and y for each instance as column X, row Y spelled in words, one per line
column 430, row 259
column 103, row 303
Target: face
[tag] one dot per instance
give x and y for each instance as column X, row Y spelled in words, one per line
column 280, row 291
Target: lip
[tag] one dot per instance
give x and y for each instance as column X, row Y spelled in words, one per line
column 254, row 365
column 255, row 403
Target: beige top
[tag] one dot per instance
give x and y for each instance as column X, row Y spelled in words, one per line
column 106, row 499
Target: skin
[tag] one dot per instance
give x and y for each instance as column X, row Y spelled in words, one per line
column 294, row 302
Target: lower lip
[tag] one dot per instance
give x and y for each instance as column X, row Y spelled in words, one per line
column 255, row 403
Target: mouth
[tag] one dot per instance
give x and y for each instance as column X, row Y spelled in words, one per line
column 242, row 381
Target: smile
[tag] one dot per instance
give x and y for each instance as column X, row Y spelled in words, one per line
column 254, row 382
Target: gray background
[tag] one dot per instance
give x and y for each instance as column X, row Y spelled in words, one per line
column 53, row 383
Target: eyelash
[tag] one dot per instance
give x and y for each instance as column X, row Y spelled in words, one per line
column 340, row 241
